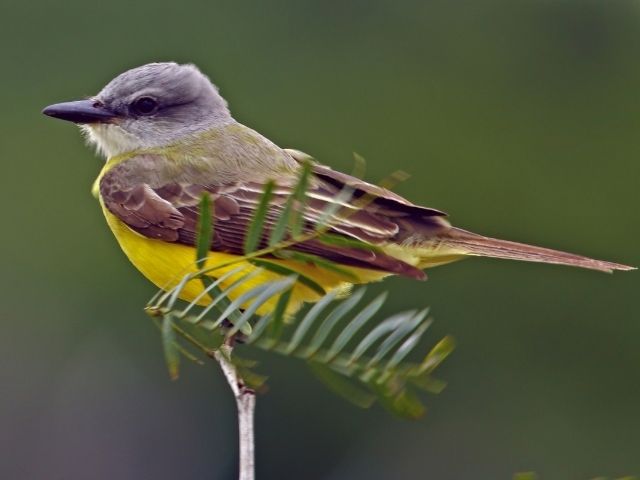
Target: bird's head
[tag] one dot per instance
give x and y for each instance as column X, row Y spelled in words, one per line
column 149, row 106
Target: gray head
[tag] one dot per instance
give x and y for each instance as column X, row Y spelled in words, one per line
column 148, row 106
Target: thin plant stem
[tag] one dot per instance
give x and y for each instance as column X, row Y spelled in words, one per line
column 245, row 403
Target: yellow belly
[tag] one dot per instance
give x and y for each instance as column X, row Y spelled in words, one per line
column 165, row 264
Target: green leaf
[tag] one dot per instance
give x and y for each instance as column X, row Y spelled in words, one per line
column 170, row 346
column 210, row 341
column 209, row 284
column 220, row 298
column 293, row 214
column 264, row 293
column 359, row 165
column 428, row 383
column 251, row 379
column 389, row 325
column 205, row 230
column 221, row 301
column 437, row 354
column 254, row 232
column 407, row 326
column 236, row 304
column 280, row 228
column 182, row 350
column 404, row 404
column 175, row 293
column 332, row 319
column 342, row 386
column 298, row 200
column 394, row 179
column 354, row 325
column 319, row 262
column 308, row 320
column 238, row 361
column 279, row 312
column 408, row 345
column 262, row 324
column 286, row 271
column 348, row 242
column 244, row 369
column 339, row 202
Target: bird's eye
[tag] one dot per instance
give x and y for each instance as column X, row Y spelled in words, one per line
column 144, row 106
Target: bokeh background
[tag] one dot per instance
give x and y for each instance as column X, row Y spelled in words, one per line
column 520, row 119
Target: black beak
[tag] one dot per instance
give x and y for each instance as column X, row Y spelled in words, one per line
column 80, row 111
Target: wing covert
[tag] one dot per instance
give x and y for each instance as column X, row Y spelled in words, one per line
column 169, row 212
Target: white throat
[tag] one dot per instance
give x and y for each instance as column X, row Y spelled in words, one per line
column 110, row 139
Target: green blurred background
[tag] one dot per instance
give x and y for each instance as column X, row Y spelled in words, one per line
column 519, row 118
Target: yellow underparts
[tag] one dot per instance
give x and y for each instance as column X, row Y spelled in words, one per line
column 165, row 265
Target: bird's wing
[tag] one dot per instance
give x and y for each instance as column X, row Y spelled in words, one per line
column 367, row 213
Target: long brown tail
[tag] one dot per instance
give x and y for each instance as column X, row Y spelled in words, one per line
column 479, row 245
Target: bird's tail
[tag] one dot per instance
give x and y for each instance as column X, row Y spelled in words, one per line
column 459, row 243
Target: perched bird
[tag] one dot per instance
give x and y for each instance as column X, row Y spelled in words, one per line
column 169, row 138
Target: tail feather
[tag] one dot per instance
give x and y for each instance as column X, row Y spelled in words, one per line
column 474, row 244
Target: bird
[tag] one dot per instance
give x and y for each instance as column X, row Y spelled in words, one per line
column 169, row 139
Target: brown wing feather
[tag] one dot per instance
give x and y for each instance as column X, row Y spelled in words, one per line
column 170, row 212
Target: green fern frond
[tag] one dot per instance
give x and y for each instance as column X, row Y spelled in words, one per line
column 333, row 334
column 357, row 358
